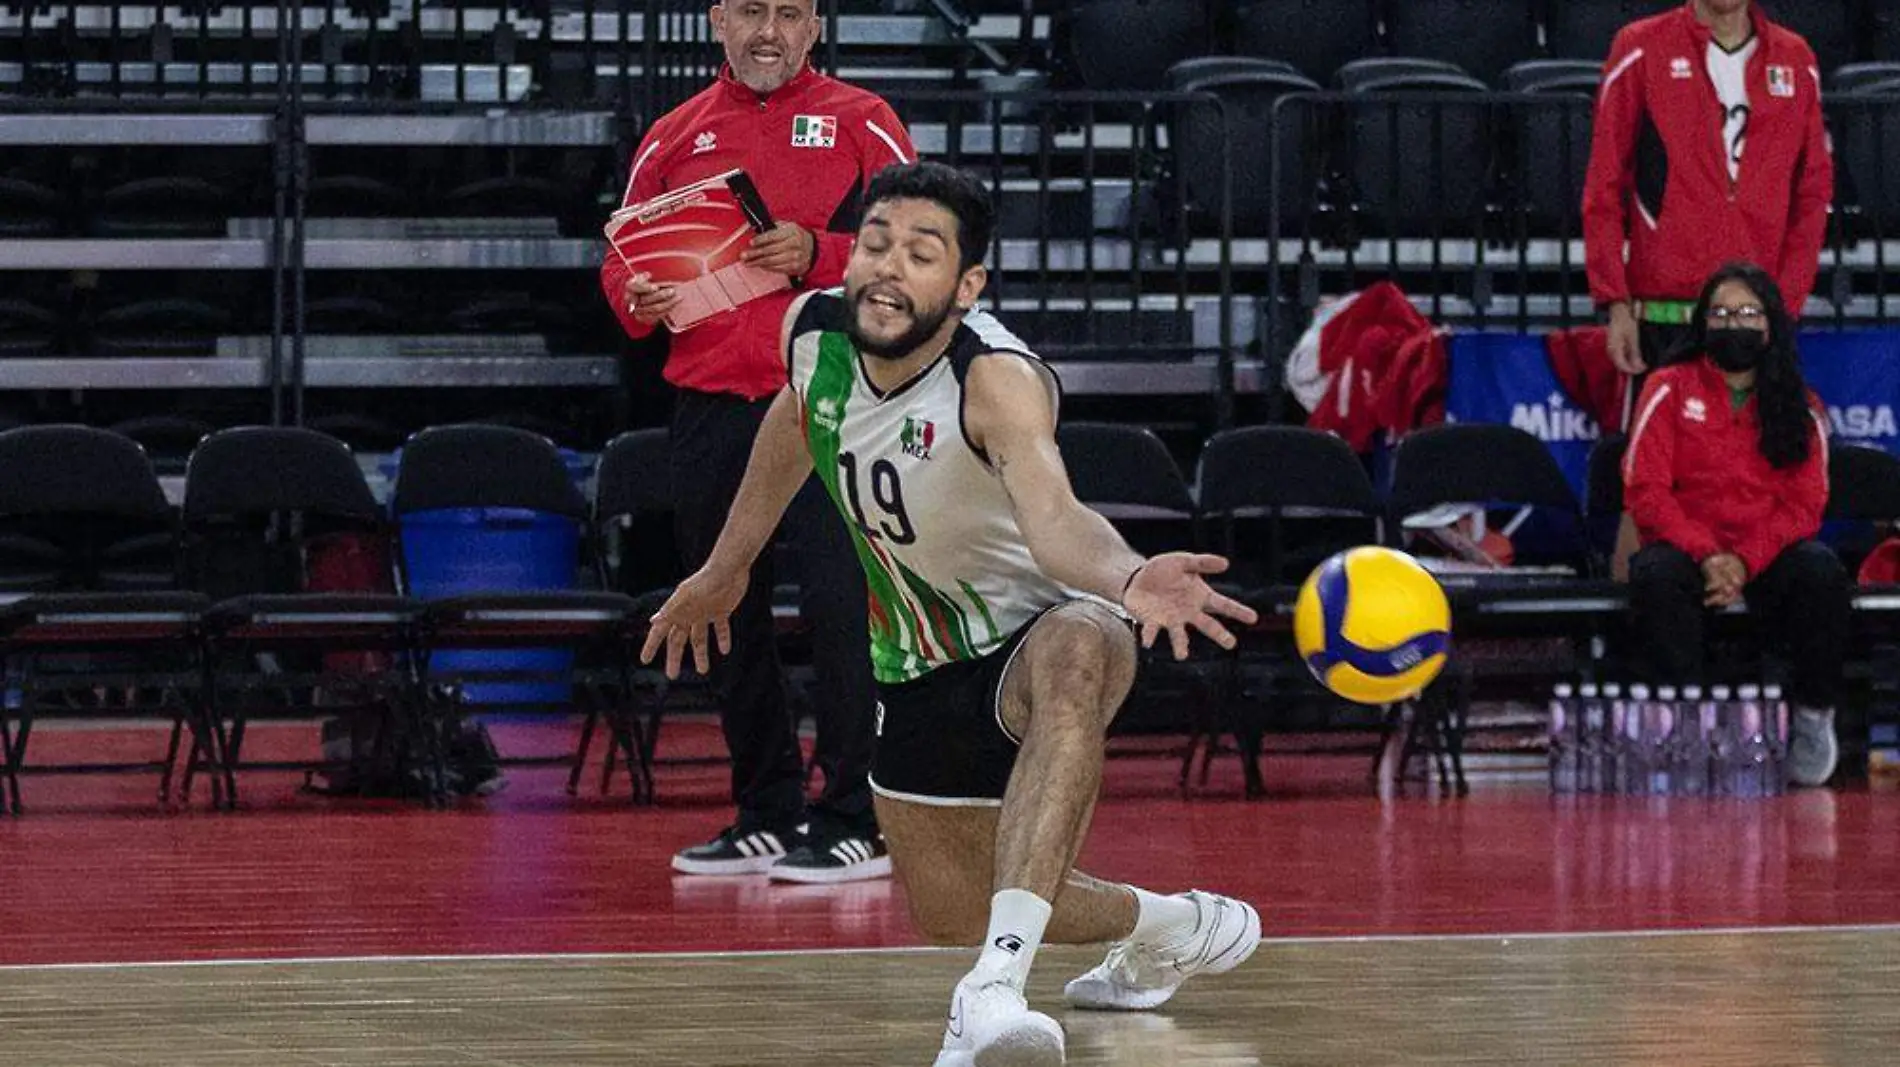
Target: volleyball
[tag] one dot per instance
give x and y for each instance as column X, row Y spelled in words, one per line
column 1372, row 625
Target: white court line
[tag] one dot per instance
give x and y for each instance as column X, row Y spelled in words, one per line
column 621, row 957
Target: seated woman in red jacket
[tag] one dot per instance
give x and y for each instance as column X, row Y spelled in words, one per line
column 1726, row 478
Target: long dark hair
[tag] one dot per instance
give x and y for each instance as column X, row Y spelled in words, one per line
column 1781, row 394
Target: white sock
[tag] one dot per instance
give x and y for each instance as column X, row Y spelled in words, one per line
column 1017, row 920
column 1161, row 919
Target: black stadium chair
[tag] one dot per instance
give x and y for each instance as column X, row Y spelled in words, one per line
column 30, row 208
column 1551, row 139
column 633, row 497
column 1204, row 67
column 1583, row 76
column 1126, row 473
column 1492, row 465
column 1283, row 473
column 28, row 330
column 1482, row 36
column 1317, row 36
column 260, row 504
column 357, row 196
column 494, row 467
column 1371, row 73
column 353, row 314
column 161, row 206
column 1239, row 134
column 1418, row 168
column 81, row 645
column 1866, row 126
column 160, row 327
column 1278, row 475
column 1856, row 77
column 1863, row 484
column 1475, row 463
column 1130, row 44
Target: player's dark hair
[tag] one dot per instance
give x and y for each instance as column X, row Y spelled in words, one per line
column 960, row 193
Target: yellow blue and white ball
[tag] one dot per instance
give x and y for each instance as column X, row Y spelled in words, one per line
column 1372, row 625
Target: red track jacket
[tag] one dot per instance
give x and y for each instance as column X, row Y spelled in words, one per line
column 1659, row 173
column 816, row 181
column 1694, row 475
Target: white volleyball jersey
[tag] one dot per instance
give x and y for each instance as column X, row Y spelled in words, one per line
column 1729, row 71
column 949, row 574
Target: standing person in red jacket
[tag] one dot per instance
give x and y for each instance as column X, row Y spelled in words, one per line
column 1726, row 477
column 811, row 144
column 1708, row 148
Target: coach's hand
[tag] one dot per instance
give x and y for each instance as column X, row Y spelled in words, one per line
column 787, row 249
column 1168, row 593
column 702, row 605
column 1625, row 339
column 646, row 302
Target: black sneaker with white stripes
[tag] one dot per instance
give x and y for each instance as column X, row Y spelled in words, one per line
column 737, row 850
column 846, row 856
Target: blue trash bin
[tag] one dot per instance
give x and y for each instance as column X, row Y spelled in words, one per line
column 458, row 551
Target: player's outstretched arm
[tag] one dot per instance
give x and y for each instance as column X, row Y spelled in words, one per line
column 1010, row 415
column 703, row 602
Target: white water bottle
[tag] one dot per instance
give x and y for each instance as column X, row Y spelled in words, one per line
column 1775, row 724
column 1563, row 743
column 1589, row 739
column 1615, row 709
column 1632, row 755
column 1690, row 762
column 1752, row 765
column 1724, row 741
column 1659, row 726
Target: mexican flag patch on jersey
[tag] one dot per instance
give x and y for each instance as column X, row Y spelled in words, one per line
column 814, row 131
column 917, row 437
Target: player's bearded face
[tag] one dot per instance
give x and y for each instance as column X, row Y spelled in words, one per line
column 901, row 285
column 887, row 324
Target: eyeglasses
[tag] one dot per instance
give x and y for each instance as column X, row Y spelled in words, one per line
column 1747, row 315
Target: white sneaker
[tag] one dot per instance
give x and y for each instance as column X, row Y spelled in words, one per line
column 1813, row 750
column 991, row 1026
column 1137, row 977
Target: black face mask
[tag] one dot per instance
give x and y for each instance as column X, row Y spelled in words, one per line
column 1735, row 350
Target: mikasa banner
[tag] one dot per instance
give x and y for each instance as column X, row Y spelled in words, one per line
column 1507, row 378
column 1856, row 373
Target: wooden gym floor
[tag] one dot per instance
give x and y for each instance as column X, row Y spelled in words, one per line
column 537, row 929
column 1766, row 997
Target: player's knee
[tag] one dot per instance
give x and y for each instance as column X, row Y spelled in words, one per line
column 1089, row 649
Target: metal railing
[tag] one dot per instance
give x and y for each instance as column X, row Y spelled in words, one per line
column 1473, row 203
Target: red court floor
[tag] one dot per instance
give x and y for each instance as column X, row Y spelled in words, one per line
column 93, row 872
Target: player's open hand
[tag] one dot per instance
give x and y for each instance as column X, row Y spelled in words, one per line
column 1169, row 593
column 698, row 614
column 787, row 249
